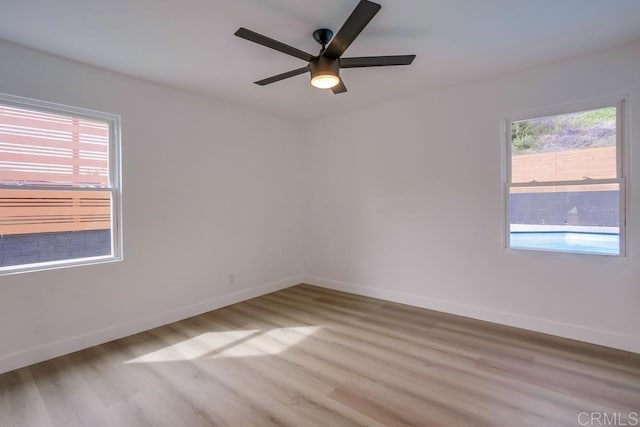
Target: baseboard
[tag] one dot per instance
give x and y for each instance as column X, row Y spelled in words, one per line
column 69, row 345
column 546, row 326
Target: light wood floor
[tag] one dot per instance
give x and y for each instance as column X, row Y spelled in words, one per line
column 307, row 356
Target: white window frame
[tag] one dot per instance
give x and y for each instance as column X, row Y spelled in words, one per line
column 115, row 181
column 622, row 167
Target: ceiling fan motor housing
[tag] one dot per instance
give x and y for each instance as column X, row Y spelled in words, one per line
column 323, row 65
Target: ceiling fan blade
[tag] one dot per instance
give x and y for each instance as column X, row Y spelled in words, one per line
column 376, row 61
column 273, row 44
column 282, row 76
column 355, row 23
column 339, row 88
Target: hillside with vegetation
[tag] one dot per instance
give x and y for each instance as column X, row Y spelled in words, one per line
column 587, row 129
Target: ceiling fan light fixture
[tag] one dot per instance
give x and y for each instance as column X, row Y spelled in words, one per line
column 324, row 72
column 325, row 81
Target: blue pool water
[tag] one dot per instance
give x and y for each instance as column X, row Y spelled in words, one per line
column 593, row 243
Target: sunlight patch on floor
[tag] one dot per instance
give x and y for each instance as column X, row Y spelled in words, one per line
column 251, row 342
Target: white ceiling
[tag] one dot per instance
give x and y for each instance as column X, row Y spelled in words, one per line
column 189, row 44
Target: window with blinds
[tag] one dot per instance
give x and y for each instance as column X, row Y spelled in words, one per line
column 59, row 185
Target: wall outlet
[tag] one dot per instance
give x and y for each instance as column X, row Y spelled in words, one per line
column 232, row 279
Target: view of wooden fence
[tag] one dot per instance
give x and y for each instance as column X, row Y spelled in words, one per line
column 43, row 211
column 45, row 150
column 595, row 163
column 571, row 165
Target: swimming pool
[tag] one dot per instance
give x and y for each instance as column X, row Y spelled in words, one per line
column 591, row 243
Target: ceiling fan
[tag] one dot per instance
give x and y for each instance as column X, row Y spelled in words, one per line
column 325, row 67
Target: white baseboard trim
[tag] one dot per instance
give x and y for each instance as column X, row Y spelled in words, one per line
column 89, row 339
column 551, row 327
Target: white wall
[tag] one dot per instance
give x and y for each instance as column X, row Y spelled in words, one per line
column 403, row 202
column 209, row 190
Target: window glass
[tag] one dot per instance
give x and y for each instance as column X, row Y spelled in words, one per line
column 576, row 218
column 565, row 187
column 565, row 147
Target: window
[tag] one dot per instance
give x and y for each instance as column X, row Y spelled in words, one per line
column 59, row 186
column 565, row 188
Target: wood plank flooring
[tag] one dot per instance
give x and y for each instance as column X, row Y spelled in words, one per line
column 308, row 356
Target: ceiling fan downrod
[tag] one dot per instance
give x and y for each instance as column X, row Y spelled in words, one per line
column 323, row 36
